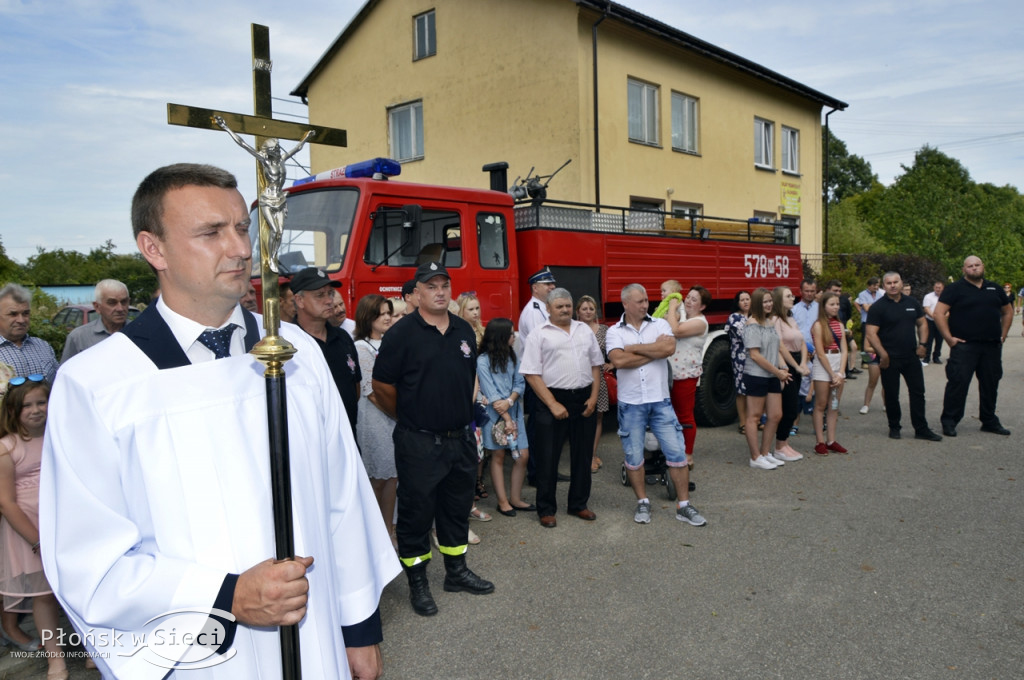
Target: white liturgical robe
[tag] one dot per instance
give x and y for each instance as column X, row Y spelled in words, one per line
column 156, row 484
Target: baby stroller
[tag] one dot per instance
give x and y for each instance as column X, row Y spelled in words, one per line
column 655, row 467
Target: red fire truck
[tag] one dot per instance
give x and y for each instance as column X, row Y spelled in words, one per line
column 370, row 232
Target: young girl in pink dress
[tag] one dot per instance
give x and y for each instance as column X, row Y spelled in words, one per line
column 22, row 582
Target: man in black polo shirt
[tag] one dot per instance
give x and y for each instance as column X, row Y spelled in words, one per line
column 979, row 318
column 313, row 307
column 899, row 333
column 424, row 378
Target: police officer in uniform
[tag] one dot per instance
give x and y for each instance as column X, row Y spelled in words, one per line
column 979, row 318
column 424, row 378
column 535, row 313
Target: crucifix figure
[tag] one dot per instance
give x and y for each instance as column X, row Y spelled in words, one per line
column 272, row 198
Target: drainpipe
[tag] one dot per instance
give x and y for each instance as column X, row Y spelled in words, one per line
column 828, row 163
column 597, row 136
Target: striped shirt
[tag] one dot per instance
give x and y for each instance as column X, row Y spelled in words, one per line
column 34, row 356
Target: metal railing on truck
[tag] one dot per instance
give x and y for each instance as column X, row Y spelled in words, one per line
column 572, row 216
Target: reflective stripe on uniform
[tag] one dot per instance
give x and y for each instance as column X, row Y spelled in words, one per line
column 413, row 561
column 454, row 551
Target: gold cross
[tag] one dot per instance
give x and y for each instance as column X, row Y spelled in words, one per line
column 262, row 124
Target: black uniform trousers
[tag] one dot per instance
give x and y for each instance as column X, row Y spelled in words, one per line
column 436, row 478
column 546, row 448
column 967, row 359
column 934, row 341
column 910, row 369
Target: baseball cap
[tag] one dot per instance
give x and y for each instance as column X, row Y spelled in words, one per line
column 311, row 278
column 429, row 270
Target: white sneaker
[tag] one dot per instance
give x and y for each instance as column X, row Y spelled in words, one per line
column 763, row 463
column 864, row 410
column 779, row 462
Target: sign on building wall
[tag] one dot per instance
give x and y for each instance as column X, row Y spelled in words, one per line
column 790, row 198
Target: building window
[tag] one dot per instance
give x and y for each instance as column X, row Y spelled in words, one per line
column 424, row 36
column 684, row 123
column 643, row 112
column 406, row 124
column 790, row 150
column 764, row 138
column 681, row 209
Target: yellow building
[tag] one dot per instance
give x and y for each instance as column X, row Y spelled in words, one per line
column 446, row 86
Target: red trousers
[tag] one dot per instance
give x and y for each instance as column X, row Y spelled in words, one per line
column 684, row 393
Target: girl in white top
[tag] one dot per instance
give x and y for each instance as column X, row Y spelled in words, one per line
column 687, row 362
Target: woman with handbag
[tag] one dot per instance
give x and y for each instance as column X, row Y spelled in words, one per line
column 497, row 369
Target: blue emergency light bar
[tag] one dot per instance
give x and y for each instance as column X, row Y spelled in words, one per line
column 377, row 166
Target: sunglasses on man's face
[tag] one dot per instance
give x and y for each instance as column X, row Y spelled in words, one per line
column 20, row 379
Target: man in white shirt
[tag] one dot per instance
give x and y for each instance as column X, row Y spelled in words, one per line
column 154, row 506
column 638, row 347
column 562, row 363
column 934, row 348
column 805, row 313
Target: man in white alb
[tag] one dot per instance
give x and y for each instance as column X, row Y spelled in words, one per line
column 154, row 497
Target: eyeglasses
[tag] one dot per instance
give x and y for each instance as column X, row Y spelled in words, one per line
column 467, row 293
column 20, row 379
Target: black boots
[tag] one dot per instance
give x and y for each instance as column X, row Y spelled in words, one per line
column 458, row 577
column 419, row 590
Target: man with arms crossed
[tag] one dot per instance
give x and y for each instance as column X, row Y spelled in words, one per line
column 638, row 346
column 154, row 497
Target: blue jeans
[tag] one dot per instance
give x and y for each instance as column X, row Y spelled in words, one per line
column 633, row 422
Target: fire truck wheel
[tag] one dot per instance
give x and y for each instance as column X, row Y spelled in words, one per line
column 715, row 403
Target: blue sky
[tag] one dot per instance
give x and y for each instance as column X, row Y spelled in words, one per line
column 85, row 85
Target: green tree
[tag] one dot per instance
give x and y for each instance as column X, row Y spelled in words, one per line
column 848, row 174
column 8, row 268
column 70, row 267
column 936, row 211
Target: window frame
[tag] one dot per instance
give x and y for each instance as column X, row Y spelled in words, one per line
column 687, row 102
column 429, row 21
column 764, row 143
column 651, row 128
column 790, row 153
column 415, row 109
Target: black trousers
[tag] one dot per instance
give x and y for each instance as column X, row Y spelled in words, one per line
column 436, row 478
column 967, row 359
column 790, row 405
column 934, row 340
column 546, row 448
column 910, row 369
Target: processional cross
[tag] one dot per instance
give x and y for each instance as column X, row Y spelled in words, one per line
column 273, row 351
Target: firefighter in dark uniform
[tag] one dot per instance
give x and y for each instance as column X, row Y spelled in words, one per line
column 979, row 317
column 424, row 377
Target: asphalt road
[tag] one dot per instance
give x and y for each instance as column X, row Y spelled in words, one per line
column 899, row 560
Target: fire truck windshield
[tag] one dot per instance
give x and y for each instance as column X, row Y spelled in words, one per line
column 316, row 230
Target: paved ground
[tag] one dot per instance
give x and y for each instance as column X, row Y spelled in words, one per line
column 899, row 560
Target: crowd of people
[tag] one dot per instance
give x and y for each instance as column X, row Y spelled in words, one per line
column 419, row 408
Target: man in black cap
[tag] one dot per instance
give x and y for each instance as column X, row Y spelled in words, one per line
column 424, row 378
column 314, row 301
column 535, row 313
column 412, row 300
